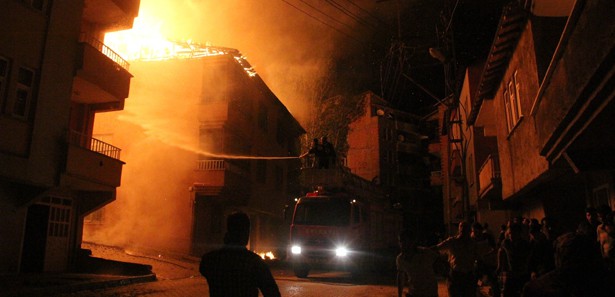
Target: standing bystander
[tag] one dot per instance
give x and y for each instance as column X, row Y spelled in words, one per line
column 606, row 235
column 513, row 262
column 415, row 268
column 462, row 257
column 233, row 270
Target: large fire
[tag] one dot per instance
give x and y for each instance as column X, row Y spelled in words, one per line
column 145, row 42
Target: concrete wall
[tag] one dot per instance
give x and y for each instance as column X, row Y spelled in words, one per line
column 520, row 161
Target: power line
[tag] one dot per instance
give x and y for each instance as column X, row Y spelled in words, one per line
column 366, row 12
column 349, row 13
column 325, row 14
column 322, row 22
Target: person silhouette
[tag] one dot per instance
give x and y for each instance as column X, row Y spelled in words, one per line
column 329, row 153
column 415, row 268
column 233, row 270
column 318, row 154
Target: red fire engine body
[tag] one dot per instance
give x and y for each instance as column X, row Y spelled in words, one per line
column 347, row 224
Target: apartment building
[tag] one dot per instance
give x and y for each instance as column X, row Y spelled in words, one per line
column 218, row 141
column 247, row 120
column 55, row 75
column 391, row 148
column 546, row 94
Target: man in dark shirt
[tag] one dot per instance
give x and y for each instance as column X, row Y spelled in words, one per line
column 235, row 271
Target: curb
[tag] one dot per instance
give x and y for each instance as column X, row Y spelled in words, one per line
column 80, row 286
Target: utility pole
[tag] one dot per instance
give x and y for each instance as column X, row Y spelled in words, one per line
column 453, row 121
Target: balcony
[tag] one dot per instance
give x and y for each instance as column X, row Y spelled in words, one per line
column 212, row 176
column 226, row 180
column 489, row 179
column 111, row 15
column 91, row 164
column 102, row 76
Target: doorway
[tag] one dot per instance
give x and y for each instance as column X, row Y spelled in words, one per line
column 35, row 239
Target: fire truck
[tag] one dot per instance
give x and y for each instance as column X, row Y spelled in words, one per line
column 343, row 223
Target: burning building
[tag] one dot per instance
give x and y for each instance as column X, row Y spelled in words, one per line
column 204, row 137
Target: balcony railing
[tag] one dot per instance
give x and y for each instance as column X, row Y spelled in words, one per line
column 489, row 174
column 105, row 50
column 208, row 165
column 93, row 144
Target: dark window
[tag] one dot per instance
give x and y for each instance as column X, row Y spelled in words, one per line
column 36, row 4
column 4, row 78
column 23, row 94
column 323, row 213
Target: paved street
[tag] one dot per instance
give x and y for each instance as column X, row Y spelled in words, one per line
column 181, row 278
column 197, row 286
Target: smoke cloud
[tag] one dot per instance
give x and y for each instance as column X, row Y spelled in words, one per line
column 289, row 50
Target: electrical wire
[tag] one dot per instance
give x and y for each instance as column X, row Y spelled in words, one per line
column 325, row 14
column 366, row 12
column 349, row 13
column 323, row 22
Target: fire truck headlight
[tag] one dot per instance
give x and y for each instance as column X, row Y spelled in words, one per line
column 341, row 251
column 295, row 249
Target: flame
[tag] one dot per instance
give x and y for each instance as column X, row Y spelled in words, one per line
column 146, row 42
column 266, row 255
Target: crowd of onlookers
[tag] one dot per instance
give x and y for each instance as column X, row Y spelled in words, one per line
column 528, row 258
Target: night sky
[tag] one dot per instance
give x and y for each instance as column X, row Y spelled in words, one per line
column 394, row 60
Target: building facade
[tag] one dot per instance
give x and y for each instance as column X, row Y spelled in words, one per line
column 545, row 93
column 215, row 140
column 55, row 75
column 391, row 148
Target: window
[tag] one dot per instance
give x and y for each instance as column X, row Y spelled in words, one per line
column 59, row 216
column 96, row 217
column 4, row 78
column 325, row 212
column 36, row 4
column 512, row 102
column 23, row 93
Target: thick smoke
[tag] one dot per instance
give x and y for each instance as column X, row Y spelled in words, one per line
column 289, row 50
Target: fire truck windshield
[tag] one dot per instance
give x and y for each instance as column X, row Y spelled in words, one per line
column 323, row 212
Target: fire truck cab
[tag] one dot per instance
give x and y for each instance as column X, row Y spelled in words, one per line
column 328, row 230
column 343, row 222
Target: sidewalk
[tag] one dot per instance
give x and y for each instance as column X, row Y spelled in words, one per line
column 49, row 284
column 108, row 267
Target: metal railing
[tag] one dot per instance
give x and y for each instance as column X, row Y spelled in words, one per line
column 93, row 144
column 105, row 50
column 488, row 173
column 208, row 165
